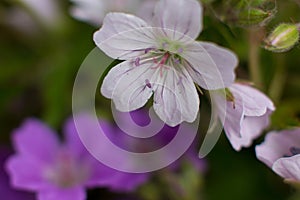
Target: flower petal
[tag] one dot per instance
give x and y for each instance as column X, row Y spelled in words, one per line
column 210, row 66
column 255, row 102
column 25, row 173
column 176, row 99
column 76, row 193
column 128, row 85
column 183, row 17
column 36, row 141
column 277, row 145
column 225, row 60
column 288, row 168
column 232, row 116
column 124, row 36
column 252, row 128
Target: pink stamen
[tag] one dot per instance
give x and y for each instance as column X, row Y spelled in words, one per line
column 162, row 63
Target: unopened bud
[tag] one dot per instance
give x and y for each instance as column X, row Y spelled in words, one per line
column 283, row 38
column 254, row 16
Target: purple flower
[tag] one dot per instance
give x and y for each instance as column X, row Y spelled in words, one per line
column 247, row 113
column 281, row 152
column 58, row 170
column 162, row 58
column 5, row 189
column 164, row 136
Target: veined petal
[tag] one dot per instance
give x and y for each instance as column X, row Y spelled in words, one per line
column 184, row 17
column 176, row 99
column 233, row 116
column 129, row 86
column 288, row 168
column 251, row 129
column 210, row 66
column 255, row 102
column 124, row 36
column 225, row 60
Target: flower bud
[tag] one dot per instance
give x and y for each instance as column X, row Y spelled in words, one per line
column 283, row 38
column 253, row 16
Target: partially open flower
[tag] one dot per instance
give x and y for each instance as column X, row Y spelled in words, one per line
column 247, row 113
column 281, row 152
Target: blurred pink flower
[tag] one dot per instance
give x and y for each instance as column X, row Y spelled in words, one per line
column 94, row 11
column 5, row 189
column 281, row 152
column 163, row 58
column 246, row 115
column 60, row 170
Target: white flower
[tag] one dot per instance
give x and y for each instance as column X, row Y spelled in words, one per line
column 93, row 11
column 163, row 58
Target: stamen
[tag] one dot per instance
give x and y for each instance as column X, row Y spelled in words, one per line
column 137, row 61
column 148, row 84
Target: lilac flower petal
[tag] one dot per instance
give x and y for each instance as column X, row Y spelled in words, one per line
column 276, row 145
column 234, row 119
column 255, row 102
column 225, row 60
column 6, row 190
column 128, row 182
column 205, row 67
column 288, row 168
column 183, row 17
column 124, row 36
column 35, row 140
column 126, row 85
column 146, row 10
column 26, row 173
column 75, row 193
column 251, row 129
column 176, row 99
column 72, row 140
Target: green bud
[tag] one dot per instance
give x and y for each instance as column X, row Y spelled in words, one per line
column 283, row 38
column 253, row 16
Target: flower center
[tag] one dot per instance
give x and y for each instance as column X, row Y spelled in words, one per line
column 66, row 171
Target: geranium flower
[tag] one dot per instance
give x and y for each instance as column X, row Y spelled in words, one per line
column 163, row 58
column 60, row 170
column 281, row 152
column 247, row 113
column 93, row 11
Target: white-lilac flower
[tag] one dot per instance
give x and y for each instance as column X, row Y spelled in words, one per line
column 61, row 171
column 247, row 113
column 281, row 152
column 94, row 11
column 163, row 58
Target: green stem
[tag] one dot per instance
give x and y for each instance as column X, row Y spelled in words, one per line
column 254, row 58
column 278, row 82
